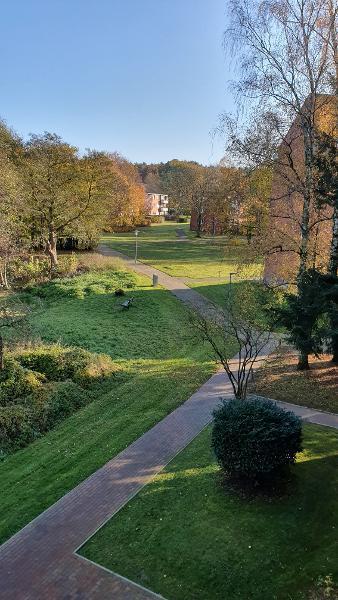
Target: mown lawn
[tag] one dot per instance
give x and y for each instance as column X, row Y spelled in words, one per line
column 186, row 537
column 193, row 258
column 161, row 365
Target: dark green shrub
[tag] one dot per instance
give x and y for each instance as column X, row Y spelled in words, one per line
column 119, row 292
column 54, row 361
column 17, row 381
column 156, row 218
column 55, row 402
column 41, row 386
column 76, row 363
column 44, row 359
column 59, row 364
column 16, row 428
column 254, row 439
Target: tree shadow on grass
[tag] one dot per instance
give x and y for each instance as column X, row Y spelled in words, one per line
column 183, row 524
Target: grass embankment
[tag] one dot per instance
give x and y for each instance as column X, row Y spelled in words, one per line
column 280, row 380
column 193, row 258
column 161, row 365
column 186, row 537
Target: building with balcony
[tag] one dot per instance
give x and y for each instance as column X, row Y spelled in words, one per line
column 157, row 204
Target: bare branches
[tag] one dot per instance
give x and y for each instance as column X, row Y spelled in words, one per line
column 249, row 336
column 287, row 58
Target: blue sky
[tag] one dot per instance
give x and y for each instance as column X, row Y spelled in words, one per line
column 147, row 78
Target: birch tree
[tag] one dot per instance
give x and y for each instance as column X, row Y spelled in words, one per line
column 287, row 57
column 286, row 65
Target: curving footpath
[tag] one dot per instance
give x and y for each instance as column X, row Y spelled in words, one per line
column 40, row 562
column 175, row 285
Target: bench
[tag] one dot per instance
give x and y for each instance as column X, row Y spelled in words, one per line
column 127, row 303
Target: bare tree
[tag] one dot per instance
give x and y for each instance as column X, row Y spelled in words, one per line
column 284, row 50
column 239, row 327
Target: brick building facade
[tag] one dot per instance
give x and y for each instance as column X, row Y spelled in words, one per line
column 286, row 203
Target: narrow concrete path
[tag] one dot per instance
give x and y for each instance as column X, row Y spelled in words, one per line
column 181, row 234
column 175, row 285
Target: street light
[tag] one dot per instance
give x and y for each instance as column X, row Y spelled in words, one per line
column 230, row 282
column 136, row 234
column 230, row 276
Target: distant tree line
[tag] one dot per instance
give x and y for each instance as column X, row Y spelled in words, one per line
column 223, row 199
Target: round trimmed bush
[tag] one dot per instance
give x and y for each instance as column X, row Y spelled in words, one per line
column 253, row 439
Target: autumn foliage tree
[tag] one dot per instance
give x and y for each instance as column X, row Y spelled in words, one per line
column 127, row 206
column 60, row 187
column 287, row 56
column 13, row 234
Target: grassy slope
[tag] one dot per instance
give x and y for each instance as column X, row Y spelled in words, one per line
column 185, row 537
column 158, row 245
column 162, row 366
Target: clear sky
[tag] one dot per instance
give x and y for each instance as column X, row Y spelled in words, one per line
column 147, row 78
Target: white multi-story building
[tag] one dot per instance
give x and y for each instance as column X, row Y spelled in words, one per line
column 157, row 204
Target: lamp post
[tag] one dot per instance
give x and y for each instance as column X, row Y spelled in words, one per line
column 230, row 276
column 230, row 282
column 136, row 234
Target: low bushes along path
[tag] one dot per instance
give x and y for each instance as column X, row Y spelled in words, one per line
column 41, row 560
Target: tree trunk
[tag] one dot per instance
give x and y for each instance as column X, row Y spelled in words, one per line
column 334, row 341
column 199, row 224
column 3, row 276
column 333, row 262
column 303, row 362
column 51, row 250
column 2, row 365
column 307, row 195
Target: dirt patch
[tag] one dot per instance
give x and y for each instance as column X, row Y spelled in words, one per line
column 280, row 380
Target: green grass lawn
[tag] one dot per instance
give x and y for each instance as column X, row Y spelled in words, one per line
column 161, row 365
column 186, row 537
column 194, row 258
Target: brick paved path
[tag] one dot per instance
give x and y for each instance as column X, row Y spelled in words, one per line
column 40, row 561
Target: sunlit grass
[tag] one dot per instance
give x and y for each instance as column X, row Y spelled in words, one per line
column 193, row 258
column 186, row 537
column 161, row 365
